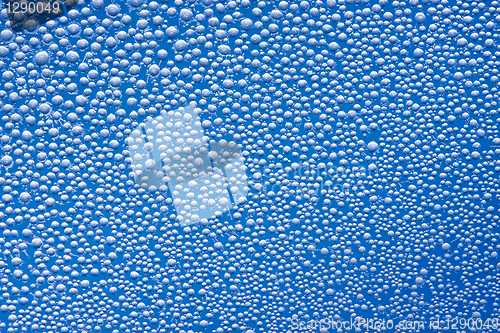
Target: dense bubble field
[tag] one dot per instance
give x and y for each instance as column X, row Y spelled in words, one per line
column 370, row 137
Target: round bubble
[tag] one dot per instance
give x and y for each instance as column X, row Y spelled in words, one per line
column 372, row 146
column 41, row 58
column 420, row 17
column 112, row 10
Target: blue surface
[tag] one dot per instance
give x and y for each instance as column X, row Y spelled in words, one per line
column 370, row 133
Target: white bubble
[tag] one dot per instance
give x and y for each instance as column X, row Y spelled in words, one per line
column 112, row 10
column 72, row 56
column 462, row 42
column 372, row 146
column 186, row 14
column 41, row 58
column 420, row 17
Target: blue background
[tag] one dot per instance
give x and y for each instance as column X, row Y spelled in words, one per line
column 312, row 91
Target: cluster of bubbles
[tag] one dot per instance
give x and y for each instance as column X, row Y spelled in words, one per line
column 203, row 177
column 405, row 89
